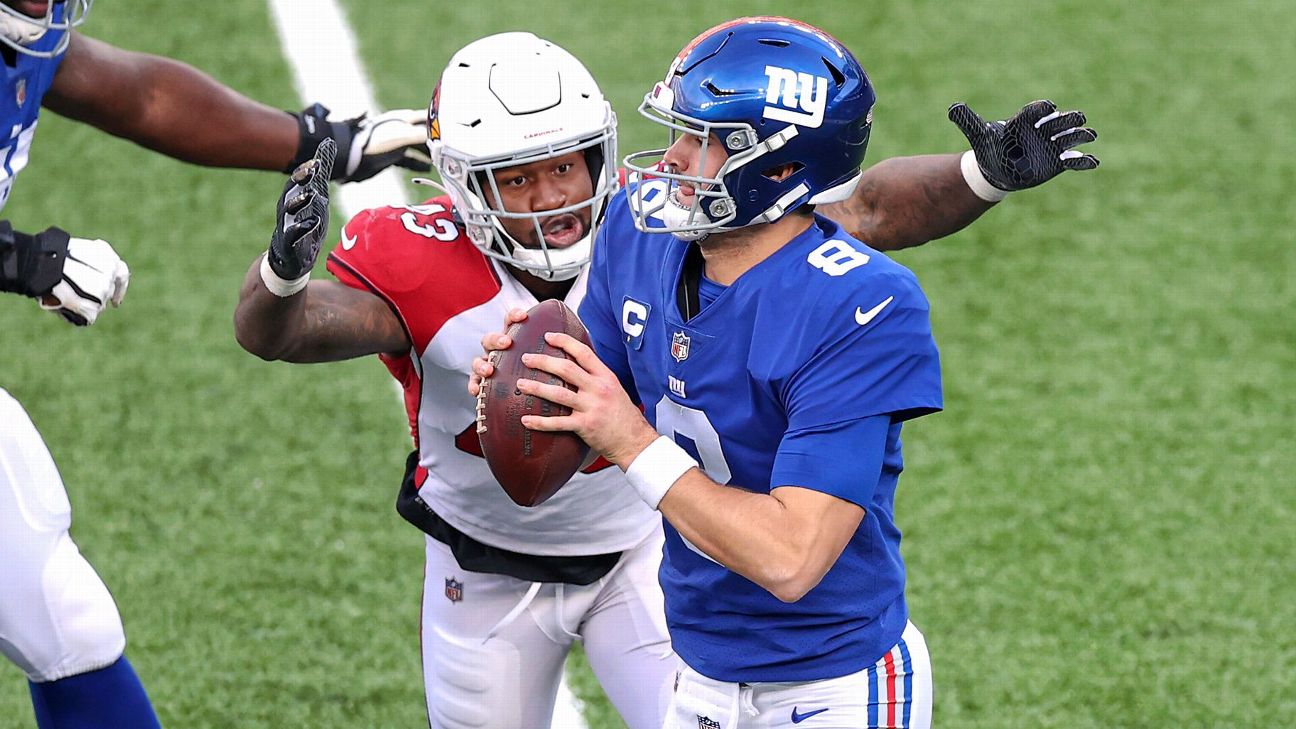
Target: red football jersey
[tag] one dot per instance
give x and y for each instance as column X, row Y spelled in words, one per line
column 447, row 294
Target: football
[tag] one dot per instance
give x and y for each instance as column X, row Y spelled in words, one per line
column 530, row 465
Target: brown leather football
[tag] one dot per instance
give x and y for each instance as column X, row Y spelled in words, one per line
column 530, row 465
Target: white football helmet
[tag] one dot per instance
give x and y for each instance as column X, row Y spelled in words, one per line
column 20, row 31
column 512, row 99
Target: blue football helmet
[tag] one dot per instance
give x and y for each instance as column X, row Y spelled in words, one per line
column 773, row 94
column 20, row 31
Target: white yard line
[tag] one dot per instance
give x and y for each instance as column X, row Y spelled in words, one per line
column 323, row 53
column 324, row 57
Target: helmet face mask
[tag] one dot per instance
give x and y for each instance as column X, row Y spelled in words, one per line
column 20, row 31
column 774, row 96
column 712, row 205
column 508, row 101
column 480, row 203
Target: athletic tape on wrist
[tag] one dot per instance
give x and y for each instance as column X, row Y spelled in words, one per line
column 657, row 468
column 282, row 288
column 976, row 179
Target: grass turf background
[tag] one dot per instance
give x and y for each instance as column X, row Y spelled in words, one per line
column 1098, row 528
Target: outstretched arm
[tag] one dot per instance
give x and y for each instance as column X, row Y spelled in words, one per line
column 175, row 109
column 907, row 201
column 169, row 107
column 282, row 314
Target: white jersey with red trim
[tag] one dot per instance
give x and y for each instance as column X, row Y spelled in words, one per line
column 447, row 295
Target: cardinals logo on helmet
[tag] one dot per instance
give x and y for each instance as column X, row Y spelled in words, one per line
column 434, row 121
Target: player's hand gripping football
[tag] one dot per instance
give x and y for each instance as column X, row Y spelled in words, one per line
column 602, row 413
column 1031, row 148
column 302, row 216
column 367, row 145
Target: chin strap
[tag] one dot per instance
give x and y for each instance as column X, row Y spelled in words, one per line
column 432, row 184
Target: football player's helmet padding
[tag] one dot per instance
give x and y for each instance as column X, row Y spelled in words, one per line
column 775, row 93
column 508, row 100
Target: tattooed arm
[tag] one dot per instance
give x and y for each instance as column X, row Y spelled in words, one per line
column 281, row 313
column 906, row 201
column 324, row 322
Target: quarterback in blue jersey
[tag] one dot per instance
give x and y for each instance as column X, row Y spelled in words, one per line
column 58, row 622
column 775, row 359
column 516, row 227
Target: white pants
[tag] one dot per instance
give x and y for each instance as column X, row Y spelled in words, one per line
column 494, row 646
column 896, row 692
column 56, row 616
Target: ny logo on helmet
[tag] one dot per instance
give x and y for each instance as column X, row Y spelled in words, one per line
column 795, row 98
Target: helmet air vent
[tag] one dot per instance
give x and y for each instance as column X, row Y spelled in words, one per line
column 716, row 90
column 839, row 78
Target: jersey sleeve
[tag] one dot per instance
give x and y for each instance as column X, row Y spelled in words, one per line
column 356, row 267
column 880, row 362
column 876, row 368
column 842, row 459
column 599, row 316
column 416, row 260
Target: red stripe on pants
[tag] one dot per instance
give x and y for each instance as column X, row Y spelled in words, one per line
column 890, row 689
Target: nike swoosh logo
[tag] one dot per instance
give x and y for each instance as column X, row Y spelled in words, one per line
column 798, row 718
column 348, row 242
column 864, row 317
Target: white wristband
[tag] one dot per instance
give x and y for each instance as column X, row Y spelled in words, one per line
column 657, row 468
column 976, row 180
column 282, row 288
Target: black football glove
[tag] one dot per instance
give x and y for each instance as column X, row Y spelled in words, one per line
column 365, row 145
column 31, row 265
column 1029, row 149
column 302, row 216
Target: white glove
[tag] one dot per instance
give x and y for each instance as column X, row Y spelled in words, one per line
column 400, row 131
column 93, row 276
column 366, row 145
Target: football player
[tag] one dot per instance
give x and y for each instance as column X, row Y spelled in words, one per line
column 57, row 620
column 525, row 143
column 775, row 357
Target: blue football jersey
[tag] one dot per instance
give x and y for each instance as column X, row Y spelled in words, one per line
column 759, row 387
column 25, row 82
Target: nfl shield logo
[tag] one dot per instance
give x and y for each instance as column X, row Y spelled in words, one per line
column 706, row 722
column 454, row 589
column 20, row 91
column 679, row 346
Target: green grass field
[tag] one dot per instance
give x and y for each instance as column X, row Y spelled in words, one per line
column 1098, row 529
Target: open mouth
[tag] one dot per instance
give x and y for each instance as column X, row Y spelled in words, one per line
column 561, row 231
